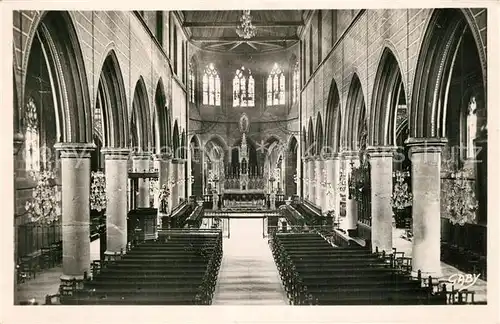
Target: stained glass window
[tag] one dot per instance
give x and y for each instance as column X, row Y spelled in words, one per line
column 276, row 87
column 243, row 88
column 211, row 86
column 32, row 139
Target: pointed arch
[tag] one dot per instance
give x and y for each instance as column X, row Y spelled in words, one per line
column 355, row 123
column 140, row 123
column 388, row 93
column 434, row 70
column 160, row 121
column 310, row 149
column 304, row 141
column 176, row 141
column 56, row 34
column 332, row 119
column 111, row 103
column 183, row 152
column 291, row 167
column 319, row 135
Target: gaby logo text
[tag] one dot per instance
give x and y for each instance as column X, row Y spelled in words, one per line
column 464, row 281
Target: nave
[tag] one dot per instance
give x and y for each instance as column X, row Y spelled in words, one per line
column 348, row 139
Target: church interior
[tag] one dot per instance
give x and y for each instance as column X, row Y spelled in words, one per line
column 250, row 157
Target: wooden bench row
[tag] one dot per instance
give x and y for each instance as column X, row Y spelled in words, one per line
column 181, row 271
column 315, row 272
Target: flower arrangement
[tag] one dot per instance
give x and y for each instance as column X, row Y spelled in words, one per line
column 97, row 191
column 163, row 195
column 45, row 205
column 461, row 198
column 401, row 194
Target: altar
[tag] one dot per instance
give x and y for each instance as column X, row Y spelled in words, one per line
column 240, row 183
column 241, row 200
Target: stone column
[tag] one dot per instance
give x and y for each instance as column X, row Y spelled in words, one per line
column 320, row 192
column 298, row 171
column 116, row 160
column 19, row 171
column 328, row 164
column 140, row 163
column 312, row 180
column 334, row 179
column 162, row 162
column 182, row 179
column 175, row 187
column 75, row 181
column 189, row 172
column 425, row 156
column 351, row 220
column 305, row 178
column 381, row 159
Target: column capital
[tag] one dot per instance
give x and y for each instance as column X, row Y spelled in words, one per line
column 332, row 156
column 426, row 145
column 115, row 153
column 178, row 160
column 75, row 150
column 381, row 151
column 349, row 155
column 306, row 158
column 162, row 156
column 141, row 155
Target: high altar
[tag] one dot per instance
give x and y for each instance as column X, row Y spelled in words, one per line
column 243, row 186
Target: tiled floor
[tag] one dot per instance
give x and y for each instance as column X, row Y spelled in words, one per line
column 47, row 282
column 248, row 274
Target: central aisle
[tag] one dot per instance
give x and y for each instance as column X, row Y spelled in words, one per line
column 248, row 275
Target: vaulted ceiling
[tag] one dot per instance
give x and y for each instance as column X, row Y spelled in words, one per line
column 216, row 30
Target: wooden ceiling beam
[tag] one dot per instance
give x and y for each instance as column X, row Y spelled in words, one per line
column 238, row 39
column 233, row 24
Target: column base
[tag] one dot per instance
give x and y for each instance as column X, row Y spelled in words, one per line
column 113, row 256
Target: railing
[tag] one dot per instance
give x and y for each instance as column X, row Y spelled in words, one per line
column 32, row 237
column 311, row 217
column 233, row 214
column 292, row 216
column 194, row 220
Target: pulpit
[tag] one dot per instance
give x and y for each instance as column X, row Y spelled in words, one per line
column 142, row 224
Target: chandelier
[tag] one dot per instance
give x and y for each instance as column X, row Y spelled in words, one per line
column 245, row 29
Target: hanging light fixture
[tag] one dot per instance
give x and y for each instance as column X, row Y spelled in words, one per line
column 245, row 29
